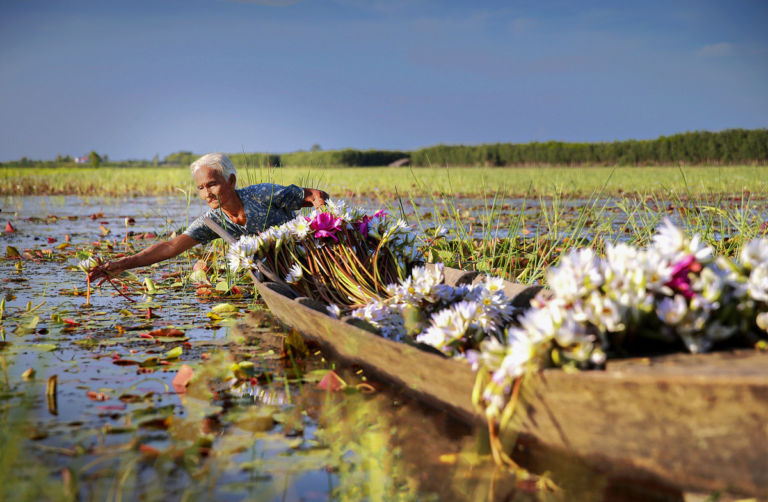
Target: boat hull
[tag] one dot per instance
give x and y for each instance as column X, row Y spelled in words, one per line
column 695, row 421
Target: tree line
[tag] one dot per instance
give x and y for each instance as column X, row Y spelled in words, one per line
column 729, row 147
column 733, row 146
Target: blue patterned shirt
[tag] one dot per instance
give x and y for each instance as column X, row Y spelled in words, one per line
column 266, row 205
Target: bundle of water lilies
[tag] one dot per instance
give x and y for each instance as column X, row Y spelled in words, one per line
column 337, row 255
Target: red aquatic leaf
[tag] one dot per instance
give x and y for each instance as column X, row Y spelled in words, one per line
column 182, row 378
column 165, row 332
column 149, row 451
column 96, row 396
column 9, row 228
column 71, row 322
column 331, row 382
column 528, row 485
column 51, row 240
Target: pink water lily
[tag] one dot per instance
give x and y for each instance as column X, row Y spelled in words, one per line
column 326, row 225
column 680, row 281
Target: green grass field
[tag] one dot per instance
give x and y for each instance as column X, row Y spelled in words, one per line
column 387, row 181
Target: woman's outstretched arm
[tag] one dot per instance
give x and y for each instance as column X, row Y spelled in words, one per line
column 153, row 254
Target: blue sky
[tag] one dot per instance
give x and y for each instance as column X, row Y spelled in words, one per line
column 137, row 78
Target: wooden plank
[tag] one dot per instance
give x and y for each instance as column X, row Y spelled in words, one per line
column 429, row 377
column 694, row 428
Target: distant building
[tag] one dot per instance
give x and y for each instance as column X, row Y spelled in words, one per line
column 82, row 160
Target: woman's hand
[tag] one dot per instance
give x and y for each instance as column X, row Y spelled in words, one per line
column 105, row 270
column 153, row 254
column 314, row 197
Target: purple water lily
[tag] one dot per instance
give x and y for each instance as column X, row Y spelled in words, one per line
column 362, row 225
column 326, row 225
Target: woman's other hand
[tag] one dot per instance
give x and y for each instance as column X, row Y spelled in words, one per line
column 314, row 197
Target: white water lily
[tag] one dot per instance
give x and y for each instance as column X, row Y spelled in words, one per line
column 334, row 311
column 385, row 317
column 757, row 284
column 448, row 325
column 87, row 264
column 755, row 254
column 439, row 231
column 626, row 279
column 672, row 242
column 295, row 273
column 577, row 275
column 762, row 321
column 710, row 283
column 299, row 227
column 672, row 310
column 241, row 254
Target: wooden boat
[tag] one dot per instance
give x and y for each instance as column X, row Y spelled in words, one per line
column 698, row 422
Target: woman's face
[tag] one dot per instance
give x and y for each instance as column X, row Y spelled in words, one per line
column 212, row 187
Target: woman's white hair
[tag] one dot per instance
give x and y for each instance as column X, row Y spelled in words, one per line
column 216, row 161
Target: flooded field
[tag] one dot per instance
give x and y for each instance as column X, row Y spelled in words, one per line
column 93, row 404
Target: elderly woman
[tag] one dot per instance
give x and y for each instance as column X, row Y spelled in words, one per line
column 248, row 210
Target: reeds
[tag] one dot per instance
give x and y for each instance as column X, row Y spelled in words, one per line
column 383, row 183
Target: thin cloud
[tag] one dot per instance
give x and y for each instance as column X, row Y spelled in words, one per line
column 269, row 3
column 382, row 6
column 715, row 50
column 519, row 26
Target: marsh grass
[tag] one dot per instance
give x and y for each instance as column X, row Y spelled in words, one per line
column 22, row 477
column 521, row 241
column 384, row 182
